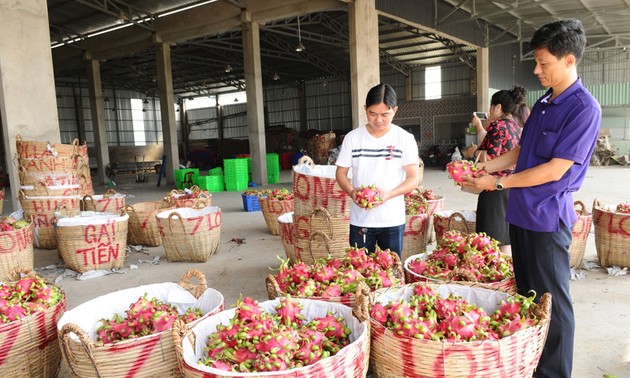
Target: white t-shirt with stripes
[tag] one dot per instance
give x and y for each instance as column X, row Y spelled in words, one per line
column 378, row 161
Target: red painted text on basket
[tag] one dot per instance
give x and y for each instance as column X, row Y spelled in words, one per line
column 9, row 340
column 418, row 225
column 321, row 189
column 579, row 229
column 43, row 329
column 12, row 241
column 613, row 227
column 46, row 165
column 213, row 221
column 102, row 234
column 99, row 255
column 51, row 204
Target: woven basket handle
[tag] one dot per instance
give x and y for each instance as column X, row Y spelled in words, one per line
column 200, row 203
column 457, row 216
column 273, row 289
column 579, row 207
column 306, row 160
column 195, row 188
column 87, row 343
column 172, row 215
column 63, row 209
column 398, row 269
column 362, row 301
column 457, row 272
column 543, row 309
column 596, row 203
column 201, row 286
column 111, row 192
column 18, row 137
column 204, row 195
column 43, row 185
column 326, row 216
column 21, row 194
column 16, row 273
column 326, row 241
column 180, row 331
column 88, row 199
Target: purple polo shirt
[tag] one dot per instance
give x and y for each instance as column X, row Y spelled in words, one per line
column 566, row 127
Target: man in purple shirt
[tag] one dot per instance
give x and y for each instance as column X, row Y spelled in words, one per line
column 551, row 161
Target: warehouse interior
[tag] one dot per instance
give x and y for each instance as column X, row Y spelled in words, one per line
column 153, row 86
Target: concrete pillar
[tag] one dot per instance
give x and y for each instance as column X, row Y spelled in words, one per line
column 364, row 56
column 28, row 102
column 253, row 88
column 95, row 89
column 483, row 79
column 169, row 126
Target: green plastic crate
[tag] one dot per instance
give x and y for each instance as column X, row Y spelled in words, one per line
column 179, row 176
column 235, row 185
column 218, row 171
column 211, row 183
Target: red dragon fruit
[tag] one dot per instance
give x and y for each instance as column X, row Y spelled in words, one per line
column 26, row 296
column 459, row 169
column 289, row 311
column 623, row 208
column 192, row 314
column 367, row 196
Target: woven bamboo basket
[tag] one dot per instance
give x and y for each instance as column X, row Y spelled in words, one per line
column 272, row 209
column 42, row 210
column 274, row 291
column 464, row 221
column 457, row 276
column 320, row 235
column 38, row 150
column 204, row 198
column 86, row 187
column 350, row 362
column 29, row 346
column 32, row 169
column 320, row 145
column 190, row 234
column 143, row 228
column 287, row 234
column 612, row 235
column 93, row 240
column 47, row 177
column 315, row 186
column 513, row 356
column 41, row 189
column 147, row 356
column 579, row 233
column 111, row 201
column 434, row 206
column 16, row 249
column 415, row 236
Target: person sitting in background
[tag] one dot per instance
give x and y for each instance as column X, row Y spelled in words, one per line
column 502, row 134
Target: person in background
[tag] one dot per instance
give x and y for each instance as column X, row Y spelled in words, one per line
column 503, row 134
column 556, row 145
column 382, row 154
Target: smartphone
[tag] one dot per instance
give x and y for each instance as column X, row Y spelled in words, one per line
column 481, row 115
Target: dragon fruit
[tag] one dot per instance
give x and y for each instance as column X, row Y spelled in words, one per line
column 427, row 315
column 274, row 341
column 367, row 196
column 26, row 296
column 459, row 169
column 332, row 277
column 623, row 208
column 464, row 258
column 143, row 317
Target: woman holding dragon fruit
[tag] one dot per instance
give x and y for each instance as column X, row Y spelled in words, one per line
column 385, row 165
column 502, row 135
column 551, row 160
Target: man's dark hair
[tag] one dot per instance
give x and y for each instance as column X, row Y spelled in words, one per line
column 381, row 93
column 561, row 38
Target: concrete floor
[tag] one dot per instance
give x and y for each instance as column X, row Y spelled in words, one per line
column 602, row 307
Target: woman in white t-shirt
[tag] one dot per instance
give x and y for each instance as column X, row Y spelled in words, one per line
column 382, row 154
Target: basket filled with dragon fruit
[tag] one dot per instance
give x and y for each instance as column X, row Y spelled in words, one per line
column 336, row 280
column 417, row 223
column 473, row 259
column 29, row 310
column 285, row 337
column 193, row 197
column 612, row 233
column 448, row 330
column 128, row 332
column 16, row 244
column 274, row 203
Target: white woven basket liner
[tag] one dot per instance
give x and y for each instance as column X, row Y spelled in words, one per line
column 91, row 218
column 189, row 212
column 469, row 215
column 312, row 309
column 88, row 314
column 286, row 217
column 488, row 300
column 327, row 171
column 98, row 197
column 51, row 187
column 35, row 198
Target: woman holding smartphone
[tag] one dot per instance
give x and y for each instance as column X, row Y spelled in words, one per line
column 508, row 113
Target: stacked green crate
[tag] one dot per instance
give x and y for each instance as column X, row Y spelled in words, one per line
column 179, row 176
column 273, row 168
column 235, row 174
column 211, row 183
column 218, row 171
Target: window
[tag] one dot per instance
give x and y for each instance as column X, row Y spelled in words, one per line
column 137, row 117
column 201, row 102
column 433, row 83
